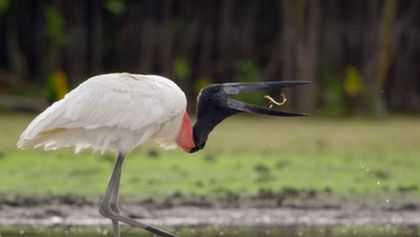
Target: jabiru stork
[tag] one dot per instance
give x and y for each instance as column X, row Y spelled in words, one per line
column 121, row 111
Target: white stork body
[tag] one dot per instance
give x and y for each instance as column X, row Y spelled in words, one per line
column 116, row 111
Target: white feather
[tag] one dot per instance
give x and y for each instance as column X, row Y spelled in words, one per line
column 116, row 111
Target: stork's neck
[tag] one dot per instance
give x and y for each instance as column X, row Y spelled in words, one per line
column 185, row 136
column 193, row 138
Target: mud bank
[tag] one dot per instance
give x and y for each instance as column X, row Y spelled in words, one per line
column 63, row 215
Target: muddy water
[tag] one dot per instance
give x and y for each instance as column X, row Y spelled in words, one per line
column 290, row 231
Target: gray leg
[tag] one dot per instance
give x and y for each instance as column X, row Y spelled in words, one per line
column 109, row 204
column 114, row 205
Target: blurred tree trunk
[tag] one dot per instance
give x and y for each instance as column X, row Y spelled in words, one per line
column 283, row 47
column 96, row 38
column 205, row 63
column 288, row 40
column 166, row 40
column 76, row 46
column 224, row 40
column 17, row 61
column 149, row 37
column 54, row 38
column 384, row 53
column 248, row 31
column 377, row 68
column 385, row 41
column 198, row 43
column 148, row 42
column 403, row 93
column 299, row 48
column 39, row 40
column 307, row 27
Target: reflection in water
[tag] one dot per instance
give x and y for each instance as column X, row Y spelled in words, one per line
column 289, row 231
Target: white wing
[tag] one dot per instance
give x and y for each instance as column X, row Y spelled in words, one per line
column 111, row 111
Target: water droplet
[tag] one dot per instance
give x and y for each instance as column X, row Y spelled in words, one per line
column 300, row 233
column 387, row 200
column 367, row 170
column 21, row 232
column 378, row 183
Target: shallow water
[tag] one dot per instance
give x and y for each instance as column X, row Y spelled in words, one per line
column 289, row 231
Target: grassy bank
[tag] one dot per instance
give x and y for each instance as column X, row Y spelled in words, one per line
column 244, row 155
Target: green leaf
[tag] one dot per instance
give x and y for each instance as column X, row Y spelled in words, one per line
column 247, row 71
column 181, row 68
column 116, row 7
column 55, row 25
column 353, row 82
column 4, row 5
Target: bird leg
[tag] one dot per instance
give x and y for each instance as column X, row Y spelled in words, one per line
column 114, row 204
column 109, row 204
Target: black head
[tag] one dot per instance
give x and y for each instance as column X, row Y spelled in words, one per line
column 214, row 105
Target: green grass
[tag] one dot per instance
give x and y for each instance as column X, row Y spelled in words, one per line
column 289, row 231
column 243, row 155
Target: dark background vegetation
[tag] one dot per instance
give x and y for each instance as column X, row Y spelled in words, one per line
column 363, row 57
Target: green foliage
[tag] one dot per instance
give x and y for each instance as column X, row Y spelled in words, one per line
column 55, row 25
column 116, row 7
column 247, row 71
column 181, row 68
column 4, row 5
column 58, row 85
column 333, row 98
column 353, row 82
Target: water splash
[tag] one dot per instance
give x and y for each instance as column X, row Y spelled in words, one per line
column 378, row 183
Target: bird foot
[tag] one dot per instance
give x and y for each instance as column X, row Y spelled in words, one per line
column 106, row 211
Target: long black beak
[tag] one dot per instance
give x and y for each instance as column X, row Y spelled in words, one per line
column 214, row 105
column 238, row 88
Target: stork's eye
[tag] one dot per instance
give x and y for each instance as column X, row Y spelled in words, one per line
column 216, row 89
